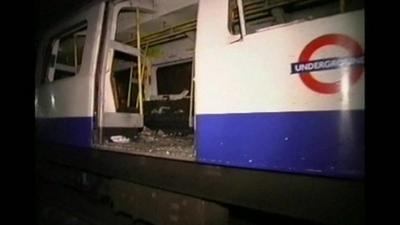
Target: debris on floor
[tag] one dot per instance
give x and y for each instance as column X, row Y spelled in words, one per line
column 119, row 139
column 156, row 142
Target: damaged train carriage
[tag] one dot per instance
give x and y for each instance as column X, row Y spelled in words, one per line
column 272, row 85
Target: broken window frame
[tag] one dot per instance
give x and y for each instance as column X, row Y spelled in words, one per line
column 159, row 70
column 105, row 119
column 51, row 62
column 241, row 28
column 115, row 45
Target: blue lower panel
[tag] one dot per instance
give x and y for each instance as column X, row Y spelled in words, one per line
column 75, row 131
column 328, row 143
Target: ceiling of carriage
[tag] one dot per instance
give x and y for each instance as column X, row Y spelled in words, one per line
column 49, row 10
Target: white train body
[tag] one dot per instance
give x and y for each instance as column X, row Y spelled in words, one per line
column 287, row 97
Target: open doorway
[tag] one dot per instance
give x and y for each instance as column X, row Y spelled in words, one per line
column 148, row 90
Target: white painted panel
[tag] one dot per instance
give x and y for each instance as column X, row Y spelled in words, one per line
column 73, row 96
column 254, row 75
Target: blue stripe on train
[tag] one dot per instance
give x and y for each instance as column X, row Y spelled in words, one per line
column 75, row 131
column 328, row 143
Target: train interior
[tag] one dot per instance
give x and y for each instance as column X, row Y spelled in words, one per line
column 161, row 96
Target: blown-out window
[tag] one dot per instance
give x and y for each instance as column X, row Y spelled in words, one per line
column 259, row 14
column 66, row 53
column 174, row 79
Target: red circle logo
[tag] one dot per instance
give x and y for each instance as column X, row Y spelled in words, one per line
column 353, row 48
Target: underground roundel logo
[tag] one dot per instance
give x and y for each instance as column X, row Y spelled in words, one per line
column 306, row 65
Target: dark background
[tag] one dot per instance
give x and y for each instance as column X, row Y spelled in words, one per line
column 48, row 12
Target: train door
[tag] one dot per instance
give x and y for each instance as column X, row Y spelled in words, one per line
column 120, row 95
column 65, row 78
